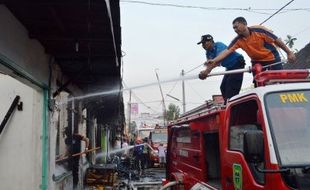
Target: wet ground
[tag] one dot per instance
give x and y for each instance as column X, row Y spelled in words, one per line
column 109, row 176
column 151, row 179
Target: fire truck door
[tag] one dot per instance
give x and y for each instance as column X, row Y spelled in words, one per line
column 238, row 173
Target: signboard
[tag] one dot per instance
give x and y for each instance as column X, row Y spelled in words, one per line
column 134, row 108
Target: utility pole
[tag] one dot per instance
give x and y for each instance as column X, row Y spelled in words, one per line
column 183, row 91
column 163, row 100
column 129, row 113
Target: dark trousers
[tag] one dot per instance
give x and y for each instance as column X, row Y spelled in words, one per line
column 138, row 162
column 231, row 84
column 145, row 158
column 75, row 170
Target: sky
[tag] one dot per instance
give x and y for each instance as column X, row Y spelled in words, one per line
column 163, row 39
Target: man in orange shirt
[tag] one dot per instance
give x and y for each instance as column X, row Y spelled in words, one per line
column 259, row 43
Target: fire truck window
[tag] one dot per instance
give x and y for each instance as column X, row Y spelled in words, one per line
column 244, row 117
column 237, row 135
column 244, row 113
column 288, row 114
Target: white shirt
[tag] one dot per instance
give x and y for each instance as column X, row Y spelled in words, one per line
column 125, row 146
column 161, row 151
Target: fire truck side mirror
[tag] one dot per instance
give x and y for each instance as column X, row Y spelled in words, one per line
column 254, row 146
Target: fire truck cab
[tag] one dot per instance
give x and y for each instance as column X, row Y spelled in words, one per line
column 259, row 140
column 157, row 136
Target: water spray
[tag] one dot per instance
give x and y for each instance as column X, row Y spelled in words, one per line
column 100, row 155
column 122, row 150
column 189, row 77
column 183, row 77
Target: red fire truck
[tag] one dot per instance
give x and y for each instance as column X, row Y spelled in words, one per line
column 259, row 140
column 157, row 136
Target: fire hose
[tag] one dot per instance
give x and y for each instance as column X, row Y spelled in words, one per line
column 247, row 69
column 78, row 154
column 170, row 184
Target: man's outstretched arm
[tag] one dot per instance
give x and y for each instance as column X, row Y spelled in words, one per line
column 290, row 55
column 220, row 57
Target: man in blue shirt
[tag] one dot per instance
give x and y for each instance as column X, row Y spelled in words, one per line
column 231, row 83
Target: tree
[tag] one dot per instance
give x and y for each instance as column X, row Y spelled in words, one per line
column 290, row 41
column 173, row 112
column 132, row 127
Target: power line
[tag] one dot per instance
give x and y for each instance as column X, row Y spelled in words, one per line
column 302, row 31
column 248, row 9
column 194, row 68
column 276, row 12
column 173, row 87
column 195, row 103
column 156, row 101
column 140, row 101
column 196, row 92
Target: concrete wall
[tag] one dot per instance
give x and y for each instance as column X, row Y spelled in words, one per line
column 20, row 141
column 60, row 177
column 15, row 44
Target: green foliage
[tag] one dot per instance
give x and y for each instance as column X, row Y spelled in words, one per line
column 290, row 41
column 173, row 112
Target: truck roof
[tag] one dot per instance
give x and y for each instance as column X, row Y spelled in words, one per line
column 205, row 110
column 268, row 81
column 261, row 91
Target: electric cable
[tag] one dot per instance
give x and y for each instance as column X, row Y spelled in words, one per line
column 196, row 92
column 276, row 12
column 173, row 87
column 302, row 31
column 194, row 68
column 140, row 101
column 248, row 9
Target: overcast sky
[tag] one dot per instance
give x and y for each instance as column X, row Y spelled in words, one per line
column 164, row 38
